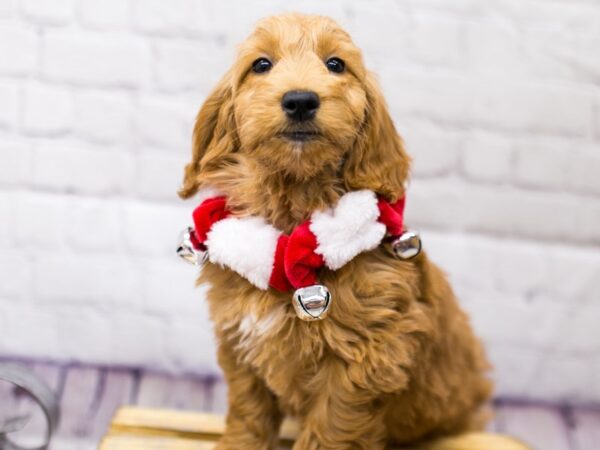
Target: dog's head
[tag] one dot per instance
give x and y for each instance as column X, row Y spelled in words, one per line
column 298, row 104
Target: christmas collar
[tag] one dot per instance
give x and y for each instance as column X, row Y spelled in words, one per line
column 268, row 258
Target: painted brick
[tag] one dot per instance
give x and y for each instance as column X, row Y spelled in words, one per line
column 152, row 229
column 583, row 268
column 8, row 8
column 573, row 337
column 529, row 107
column 434, row 152
column 438, row 97
column 504, row 212
column 597, row 119
column 82, row 169
column 566, row 165
column 552, row 173
column 108, row 14
column 163, row 123
column 498, row 104
column 494, row 48
column 435, row 40
column 517, row 317
column 57, row 12
column 216, row 19
column 40, row 221
column 158, row 16
column 514, row 369
column 18, row 47
column 392, row 30
column 562, row 379
column 464, row 7
column 487, row 158
column 583, row 168
column 8, row 105
column 93, row 225
column 48, row 110
column 179, row 294
column 17, row 276
column 515, row 267
column 122, row 343
column 15, row 162
column 143, row 344
column 185, row 335
column 30, row 330
column 182, row 65
column 7, row 217
column 95, row 59
column 86, row 279
column 159, row 176
column 102, row 117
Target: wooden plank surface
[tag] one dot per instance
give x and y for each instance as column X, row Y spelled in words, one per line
column 78, row 402
column 116, row 390
column 134, row 428
column 156, row 443
column 586, row 429
column 161, row 429
column 91, row 394
column 185, row 393
column 541, row 427
column 217, row 392
column 182, row 423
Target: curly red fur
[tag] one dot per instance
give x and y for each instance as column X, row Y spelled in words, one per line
column 396, row 361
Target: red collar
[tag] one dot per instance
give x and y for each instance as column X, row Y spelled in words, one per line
column 299, row 256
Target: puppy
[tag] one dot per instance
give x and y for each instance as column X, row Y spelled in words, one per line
column 396, row 362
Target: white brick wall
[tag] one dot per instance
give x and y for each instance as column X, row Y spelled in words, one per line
column 499, row 103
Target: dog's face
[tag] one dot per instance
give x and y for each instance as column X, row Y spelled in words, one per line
column 299, row 97
column 298, row 104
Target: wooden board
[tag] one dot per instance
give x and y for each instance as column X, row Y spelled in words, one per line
column 180, row 393
column 538, row 426
column 161, row 429
column 586, row 432
column 158, row 429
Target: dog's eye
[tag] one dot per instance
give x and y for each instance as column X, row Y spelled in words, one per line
column 335, row 65
column 261, row 65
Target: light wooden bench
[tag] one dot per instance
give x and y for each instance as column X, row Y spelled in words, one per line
column 157, row 429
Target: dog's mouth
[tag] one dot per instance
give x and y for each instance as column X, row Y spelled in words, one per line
column 299, row 135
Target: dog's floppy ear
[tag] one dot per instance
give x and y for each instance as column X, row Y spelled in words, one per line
column 377, row 161
column 214, row 136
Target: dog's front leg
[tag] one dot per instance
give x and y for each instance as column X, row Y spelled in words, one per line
column 342, row 417
column 253, row 418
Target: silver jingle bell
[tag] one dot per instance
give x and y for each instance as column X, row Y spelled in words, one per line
column 407, row 245
column 187, row 251
column 312, row 302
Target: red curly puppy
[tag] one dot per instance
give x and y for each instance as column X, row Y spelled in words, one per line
column 297, row 122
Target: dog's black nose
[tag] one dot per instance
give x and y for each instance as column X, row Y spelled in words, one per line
column 300, row 105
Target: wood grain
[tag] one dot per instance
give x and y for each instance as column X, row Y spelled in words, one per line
column 134, row 428
column 186, row 393
column 541, row 427
column 145, row 428
column 586, row 430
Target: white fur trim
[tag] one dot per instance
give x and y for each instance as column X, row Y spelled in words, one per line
column 348, row 229
column 246, row 245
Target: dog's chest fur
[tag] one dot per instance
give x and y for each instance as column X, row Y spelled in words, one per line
column 373, row 322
